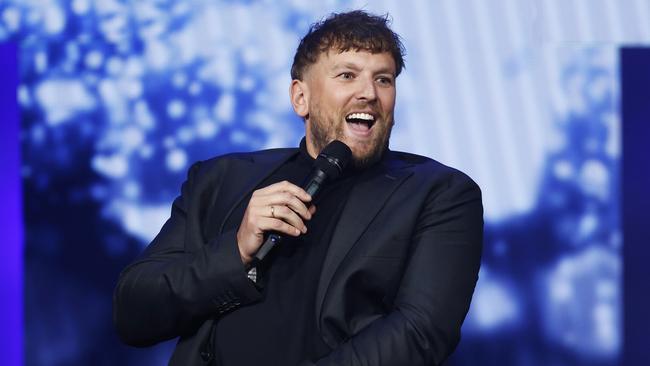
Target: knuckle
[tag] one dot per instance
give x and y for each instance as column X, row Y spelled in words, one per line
column 283, row 210
column 301, row 209
column 298, row 202
column 288, row 228
column 250, row 221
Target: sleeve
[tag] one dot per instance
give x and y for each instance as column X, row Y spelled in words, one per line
column 423, row 327
column 170, row 290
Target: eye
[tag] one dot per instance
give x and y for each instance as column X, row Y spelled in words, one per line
column 385, row 80
column 346, row 75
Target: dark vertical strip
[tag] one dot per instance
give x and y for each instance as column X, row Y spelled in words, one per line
column 11, row 232
column 635, row 78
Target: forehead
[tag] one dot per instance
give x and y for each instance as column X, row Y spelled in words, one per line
column 331, row 60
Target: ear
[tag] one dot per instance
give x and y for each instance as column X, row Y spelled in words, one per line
column 299, row 93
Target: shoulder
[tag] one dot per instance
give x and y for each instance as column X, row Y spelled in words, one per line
column 229, row 167
column 427, row 168
column 252, row 156
column 241, row 159
column 438, row 187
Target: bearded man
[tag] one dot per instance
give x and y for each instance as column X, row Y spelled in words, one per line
column 377, row 269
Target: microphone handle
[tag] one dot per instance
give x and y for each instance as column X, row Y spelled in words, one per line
column 271, row 241
column 312, row 185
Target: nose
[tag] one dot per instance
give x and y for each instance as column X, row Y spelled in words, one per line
column 367, row 89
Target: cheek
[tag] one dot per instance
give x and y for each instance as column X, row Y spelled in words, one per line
column 337, row 97
column 388, row 100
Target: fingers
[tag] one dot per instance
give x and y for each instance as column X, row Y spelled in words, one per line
column 279, row 226
column 285, row 186
column 289, row 201
column 287, row 215
column 281, row 213
column 283, row 194
column 280, row 207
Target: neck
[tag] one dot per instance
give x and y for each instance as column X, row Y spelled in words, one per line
column 312, row 150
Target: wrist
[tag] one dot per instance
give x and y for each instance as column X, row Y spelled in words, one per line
column 245, row 258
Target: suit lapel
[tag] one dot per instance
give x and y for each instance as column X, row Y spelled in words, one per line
column 366, row 199
column 265, row 166
column 247, row 179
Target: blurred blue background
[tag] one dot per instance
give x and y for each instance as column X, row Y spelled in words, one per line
column 118, row 98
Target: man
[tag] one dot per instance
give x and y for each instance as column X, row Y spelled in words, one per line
column 377, row 269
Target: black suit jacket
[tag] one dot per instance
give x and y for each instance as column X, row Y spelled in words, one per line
column 396, row 282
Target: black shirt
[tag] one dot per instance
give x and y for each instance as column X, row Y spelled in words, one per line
column 281, row 329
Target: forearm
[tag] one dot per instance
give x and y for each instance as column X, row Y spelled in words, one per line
column 170, row 293
column 392, row 340
column 424, row 326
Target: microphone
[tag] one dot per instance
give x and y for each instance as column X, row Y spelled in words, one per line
column 328, row 166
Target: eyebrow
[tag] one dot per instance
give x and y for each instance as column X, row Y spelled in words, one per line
column 346, row 65
column 355, row 67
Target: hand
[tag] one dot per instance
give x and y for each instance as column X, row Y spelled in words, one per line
column 280, row 207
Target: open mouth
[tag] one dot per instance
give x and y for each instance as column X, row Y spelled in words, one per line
column 360, row 122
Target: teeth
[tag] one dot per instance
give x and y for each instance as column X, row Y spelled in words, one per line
column 363, row 116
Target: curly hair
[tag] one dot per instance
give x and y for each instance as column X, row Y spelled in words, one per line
column 355, row 30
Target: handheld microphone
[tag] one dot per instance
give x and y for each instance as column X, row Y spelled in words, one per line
column 328, row 166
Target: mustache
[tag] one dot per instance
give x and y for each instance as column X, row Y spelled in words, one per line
column 366, row 106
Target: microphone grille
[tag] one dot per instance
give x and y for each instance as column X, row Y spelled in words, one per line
column 334, row 158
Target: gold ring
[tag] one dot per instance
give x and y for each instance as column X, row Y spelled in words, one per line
column 272, row 212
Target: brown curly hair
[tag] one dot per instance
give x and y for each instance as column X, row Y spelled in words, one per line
column 355, row 30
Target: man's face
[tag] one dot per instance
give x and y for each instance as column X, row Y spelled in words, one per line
column 348, row 96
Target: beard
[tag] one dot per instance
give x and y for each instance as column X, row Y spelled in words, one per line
column 325, row 129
